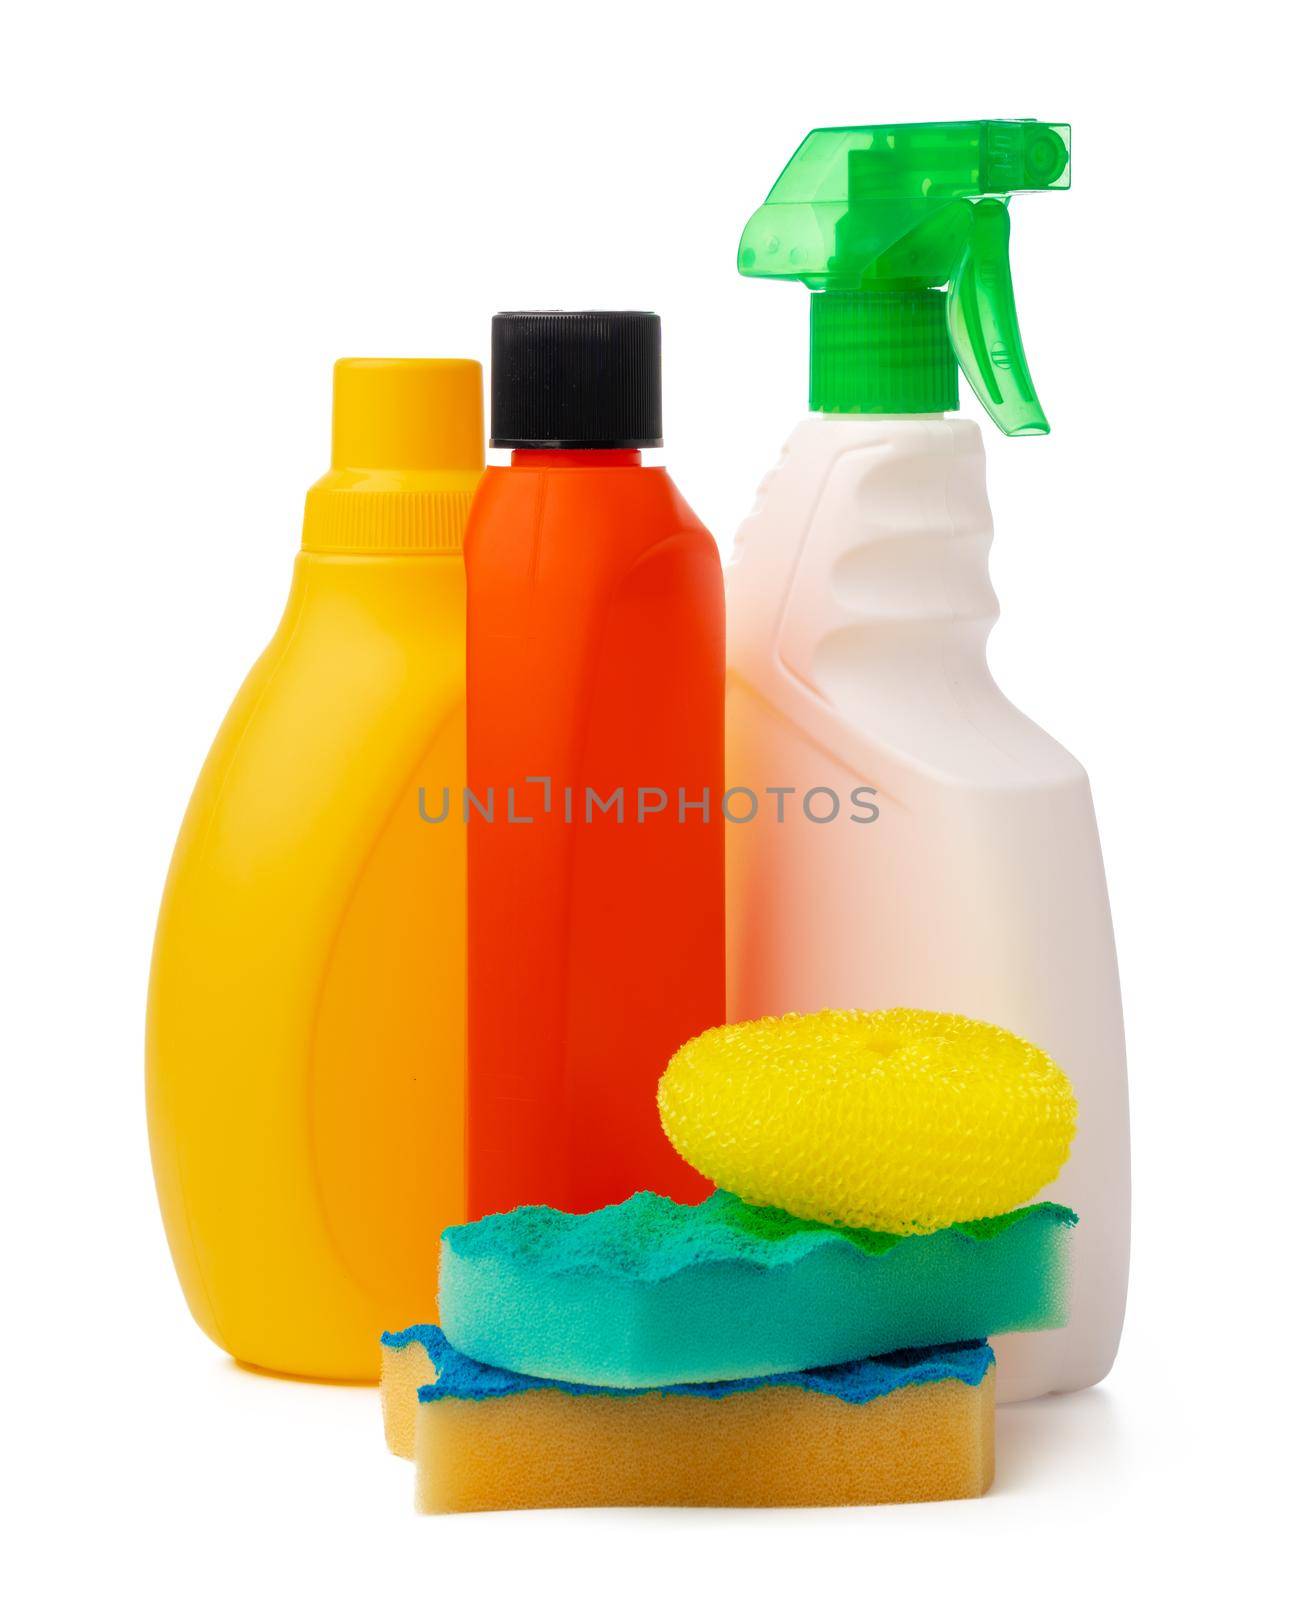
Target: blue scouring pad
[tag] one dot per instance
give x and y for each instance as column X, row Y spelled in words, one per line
column 460, row 1377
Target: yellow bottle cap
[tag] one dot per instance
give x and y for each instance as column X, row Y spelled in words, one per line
column 407, row 452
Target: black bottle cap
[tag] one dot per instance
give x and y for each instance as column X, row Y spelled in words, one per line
column 577, row 380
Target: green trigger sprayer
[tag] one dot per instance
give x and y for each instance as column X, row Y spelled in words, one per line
column 876, row 220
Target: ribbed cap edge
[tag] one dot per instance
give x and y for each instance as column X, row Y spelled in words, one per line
column 390, row 521
column 882, row 351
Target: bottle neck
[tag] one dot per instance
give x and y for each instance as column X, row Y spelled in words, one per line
column 575, row 458
column 882, row 352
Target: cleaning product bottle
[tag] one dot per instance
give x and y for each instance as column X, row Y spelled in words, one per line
column 306, row 1019
column 936, row 848
column 595, row 645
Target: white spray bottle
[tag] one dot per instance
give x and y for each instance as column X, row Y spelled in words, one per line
column 961, row 870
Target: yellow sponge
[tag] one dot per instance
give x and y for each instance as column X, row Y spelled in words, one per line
column 405, row 1366
column 900, row 1121
column 917, row 1426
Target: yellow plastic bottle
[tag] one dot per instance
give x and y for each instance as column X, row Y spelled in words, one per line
column 306, row 1016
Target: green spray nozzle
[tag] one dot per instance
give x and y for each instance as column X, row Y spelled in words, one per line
column 878, row 221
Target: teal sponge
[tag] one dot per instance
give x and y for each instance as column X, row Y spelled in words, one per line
column 651, row 1293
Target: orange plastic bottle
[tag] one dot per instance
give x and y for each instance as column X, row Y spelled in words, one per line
column 595, row 679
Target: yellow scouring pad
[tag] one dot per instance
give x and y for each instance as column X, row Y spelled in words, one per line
column 900, row 1121
column 913, row 1426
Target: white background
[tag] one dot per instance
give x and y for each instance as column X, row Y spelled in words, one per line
column 202, row 207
